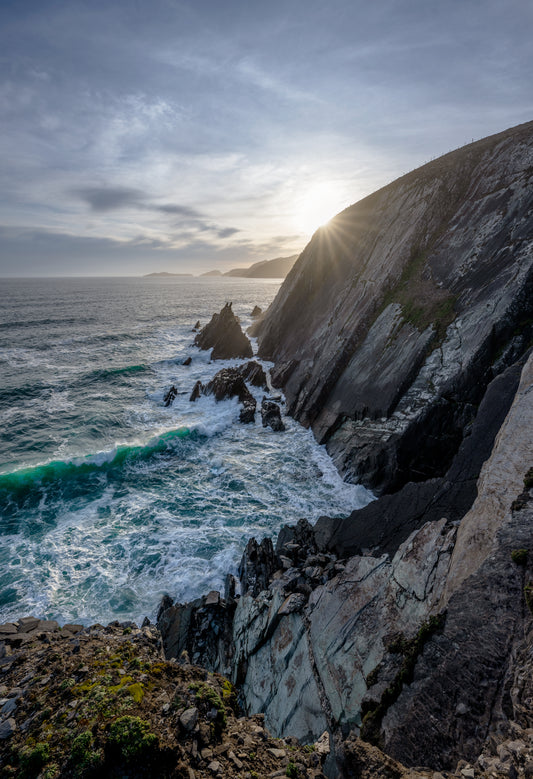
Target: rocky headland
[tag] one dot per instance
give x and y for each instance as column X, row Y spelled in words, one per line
column 403, row 336
column 396, row 642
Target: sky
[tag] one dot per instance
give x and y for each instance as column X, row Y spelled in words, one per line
column 139, row 136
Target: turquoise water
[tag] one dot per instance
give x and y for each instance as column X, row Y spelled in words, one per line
column 107, row 498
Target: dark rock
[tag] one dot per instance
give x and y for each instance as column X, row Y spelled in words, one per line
column 146, row 623
column 229, row 383
column 197, row 390
column 187, row 361
column 202, row 629
column 271, row 415
column 166, row 603
column 170, row 396
column 196, row 326
column 257, row 311
column 7, row 728
column 253, row 372
column 482, row 656
column 257, row 565
column 224, row 335
column 247, row 414
column 385, row 523
column 230, row 586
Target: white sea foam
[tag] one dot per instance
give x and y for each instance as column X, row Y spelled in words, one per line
column 168, row 497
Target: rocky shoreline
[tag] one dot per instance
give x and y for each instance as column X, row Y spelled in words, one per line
column 396, row 642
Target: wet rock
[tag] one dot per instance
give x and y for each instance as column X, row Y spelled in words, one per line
column 187, row 361
column 170, row 396
column 229, row 383
column 256, row 311
column 271, row 415
column 197, row 391
column 247, row 413
column 254, row 373
column 196, row 326
column 224, row 335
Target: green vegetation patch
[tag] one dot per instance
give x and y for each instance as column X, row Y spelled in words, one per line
column 519, row 556
column 130, row 738
column 422, row 302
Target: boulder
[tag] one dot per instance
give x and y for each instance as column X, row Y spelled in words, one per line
column 223, row 334
column 271, row 415
column 257, row 311
column 187, row 361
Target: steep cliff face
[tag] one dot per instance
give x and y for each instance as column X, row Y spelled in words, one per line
column 398, row 313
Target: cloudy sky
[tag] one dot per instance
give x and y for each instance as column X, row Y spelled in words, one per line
column 151, row 135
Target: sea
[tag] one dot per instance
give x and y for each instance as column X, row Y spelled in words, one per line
column 109, row 499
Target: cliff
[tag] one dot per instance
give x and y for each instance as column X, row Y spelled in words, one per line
column 398, row 314
column 403, row 336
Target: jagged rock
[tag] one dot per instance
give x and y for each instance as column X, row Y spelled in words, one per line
column 247, row 413
column 197, row 391
column 201, row 628
column 271, row 415
column 224, row 335
column 229, row 383
column 400, row 312
column 170, row 396
column 253, row 372
column 196, row 326
column 257, row 311
column 187, row 361
column 258, row 563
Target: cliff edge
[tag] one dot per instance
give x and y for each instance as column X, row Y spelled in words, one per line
column 398, row 313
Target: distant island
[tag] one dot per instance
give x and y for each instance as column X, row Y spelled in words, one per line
column 164, row 273
column 265, row 269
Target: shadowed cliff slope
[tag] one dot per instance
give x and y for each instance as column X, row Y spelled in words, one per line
column 399, row 313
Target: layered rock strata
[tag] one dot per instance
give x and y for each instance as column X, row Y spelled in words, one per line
column 401, row 310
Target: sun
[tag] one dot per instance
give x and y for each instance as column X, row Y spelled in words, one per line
column 316, row 206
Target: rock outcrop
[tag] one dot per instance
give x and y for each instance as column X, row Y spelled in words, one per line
column 400, row 311
column 271, row 415
column 223, row 334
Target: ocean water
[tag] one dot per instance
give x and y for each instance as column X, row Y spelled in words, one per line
column 108, row 499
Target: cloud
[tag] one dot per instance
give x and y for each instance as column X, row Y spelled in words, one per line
column 179, row 210
column 102, row 199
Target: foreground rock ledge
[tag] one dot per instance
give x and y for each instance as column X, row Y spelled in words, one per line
column 102, row 701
